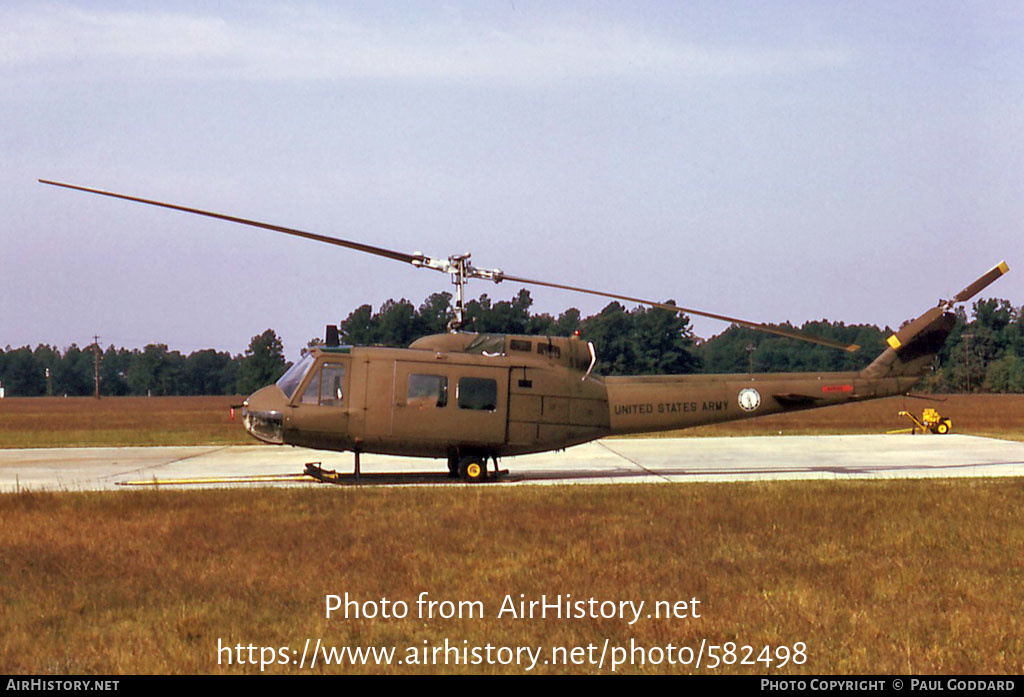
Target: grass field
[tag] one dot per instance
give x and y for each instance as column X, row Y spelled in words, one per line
column 84, row 421
column 50, row 422
column 895, row 577
column 873, row 577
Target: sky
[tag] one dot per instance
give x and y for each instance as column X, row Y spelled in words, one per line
column 775, row 161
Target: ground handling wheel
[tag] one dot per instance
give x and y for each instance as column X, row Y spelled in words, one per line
column 944, row 427
column 473, row 468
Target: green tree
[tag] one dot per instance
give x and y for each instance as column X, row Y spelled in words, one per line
column 1005, row 374
column 397, row 323
column 360, row 328
column 22, row 376
column 664, row 342
column 503, row 317
column 208, row 372
column 47, row 358
column 568, row 322
column 154, row 371
column 114, row 371
column 315, row 342
column 643, row 341
column 435, row 313
column 611, row 330
column 729, row 352
column 73, row 374
column 263, row 362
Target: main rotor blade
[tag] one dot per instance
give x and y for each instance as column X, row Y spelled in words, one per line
column 982, row 283
column 421, row 261
column 359, row 246
column 778, row 331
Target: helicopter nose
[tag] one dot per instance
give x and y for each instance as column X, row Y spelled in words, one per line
column 262, row 415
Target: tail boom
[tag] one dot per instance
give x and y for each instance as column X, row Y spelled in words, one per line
column 667, row 402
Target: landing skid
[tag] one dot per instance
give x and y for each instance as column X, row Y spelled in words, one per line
column 316, row 471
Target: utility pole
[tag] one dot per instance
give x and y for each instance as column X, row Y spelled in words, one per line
column 96, row 363
column 967, row 358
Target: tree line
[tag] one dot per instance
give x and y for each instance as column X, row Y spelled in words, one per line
column 151, row 371
column 984, row 353
column 638, row 341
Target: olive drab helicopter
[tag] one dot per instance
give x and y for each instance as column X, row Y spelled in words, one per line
column 470, row 398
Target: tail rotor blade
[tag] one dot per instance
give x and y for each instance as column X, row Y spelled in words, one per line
column 982, row 283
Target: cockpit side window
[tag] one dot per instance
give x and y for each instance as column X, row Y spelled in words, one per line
column 290, row 381
column 332, row 379
column 325, row 388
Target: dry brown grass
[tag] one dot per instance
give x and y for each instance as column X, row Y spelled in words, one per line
column 874, row 577
column 39, row 422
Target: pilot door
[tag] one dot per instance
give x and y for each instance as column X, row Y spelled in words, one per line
column 320, row 409
column 463, row 405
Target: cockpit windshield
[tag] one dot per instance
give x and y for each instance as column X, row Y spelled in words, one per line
column 289, row 382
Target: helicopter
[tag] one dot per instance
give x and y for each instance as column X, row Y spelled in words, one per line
column 472, row 398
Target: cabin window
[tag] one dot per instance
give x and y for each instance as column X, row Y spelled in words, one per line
column 478, row 393
column 520, row 345
column 325, row 388
column 549, row 350
column 427, row 391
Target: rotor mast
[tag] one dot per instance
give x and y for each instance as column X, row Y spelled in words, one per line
column 459, row 279
column 458, row 267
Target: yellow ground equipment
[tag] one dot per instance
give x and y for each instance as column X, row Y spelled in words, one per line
column 930, row 422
